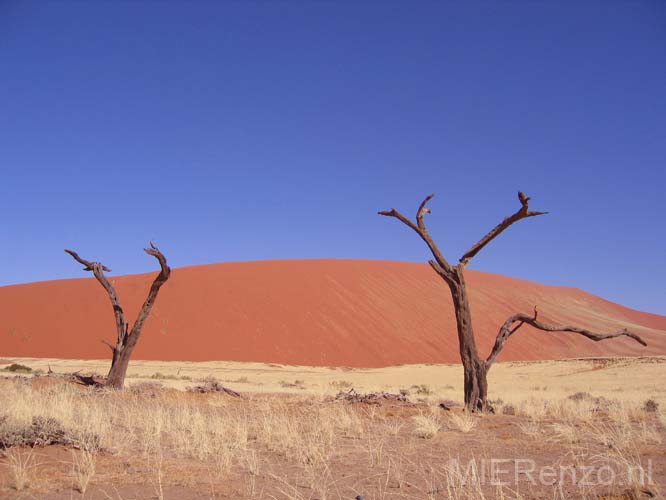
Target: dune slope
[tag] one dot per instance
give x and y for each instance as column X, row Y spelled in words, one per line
column 357, row 313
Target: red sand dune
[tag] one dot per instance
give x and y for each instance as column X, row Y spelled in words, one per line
column 357, row 313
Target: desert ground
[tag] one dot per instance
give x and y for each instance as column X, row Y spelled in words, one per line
column 579, row 428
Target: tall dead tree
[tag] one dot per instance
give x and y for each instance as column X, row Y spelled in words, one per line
column 475, row 368
column 126, row 338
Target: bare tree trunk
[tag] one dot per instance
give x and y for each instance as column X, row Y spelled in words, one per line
column 126, row 339
column 476, row 387
column 119, row 365
column 474, row 368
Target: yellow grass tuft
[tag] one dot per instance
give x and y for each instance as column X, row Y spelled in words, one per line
column 427, row 425
column 464, row 422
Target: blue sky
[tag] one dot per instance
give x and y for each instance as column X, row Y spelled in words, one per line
column 231, row 131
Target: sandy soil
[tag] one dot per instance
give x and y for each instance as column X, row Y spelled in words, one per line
column 310, row 312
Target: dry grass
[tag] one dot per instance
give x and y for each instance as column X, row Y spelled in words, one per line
column 426, row 425
column 464, row 422
column 21, row 463
column 531, row 427
column 374, row 445
column 83, row 465
column 297, row 443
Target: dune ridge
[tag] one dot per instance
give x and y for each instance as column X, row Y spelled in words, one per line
column 323, row 312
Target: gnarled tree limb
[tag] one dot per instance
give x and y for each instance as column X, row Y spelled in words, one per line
column 442, row 265
column 522, row 213
column 89, row 265
column 513, row 323
column 160, row 279
column 98, row 269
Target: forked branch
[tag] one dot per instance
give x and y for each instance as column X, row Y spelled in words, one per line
column 160, row 279
column 513, row 323
column 522, row 213
column 440, row 264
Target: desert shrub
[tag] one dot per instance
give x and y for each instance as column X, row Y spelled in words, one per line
column 145, row 388
column 651, row 406
column 300, row 384
column 342, row 384
column 580, row 396
column 42, row 431
column 17, row 368
column 599, row 403
column 422, row 389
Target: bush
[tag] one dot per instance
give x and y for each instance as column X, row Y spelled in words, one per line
column 145, row 388
column 580, row 396
column 299, row 384
column 342, row 384
column 17, row 368
column 42, row 431
column 651, row 406
column 422, row 390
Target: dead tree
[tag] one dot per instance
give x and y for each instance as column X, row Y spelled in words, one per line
column 475, row 368
column 126, row 338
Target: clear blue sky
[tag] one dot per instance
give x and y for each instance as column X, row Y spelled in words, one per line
column 231, row 131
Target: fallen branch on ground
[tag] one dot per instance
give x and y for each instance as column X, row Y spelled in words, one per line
column 373, row 398
column 213, row 386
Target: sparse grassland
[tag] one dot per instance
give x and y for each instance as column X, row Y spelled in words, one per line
column 288, row 438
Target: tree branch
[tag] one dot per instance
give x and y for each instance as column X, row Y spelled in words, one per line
column 509, row 329
column 98, row 271
column 442, row 265
column 108, row 344
column 522, row 213
column 89, row 266
column 160, row 279
column 423, row 209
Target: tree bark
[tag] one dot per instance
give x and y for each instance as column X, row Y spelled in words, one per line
column 126, row 339
column 119, row 365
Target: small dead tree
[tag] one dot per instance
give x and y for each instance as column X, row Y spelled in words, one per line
column 475, row 368
column 126, row 338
